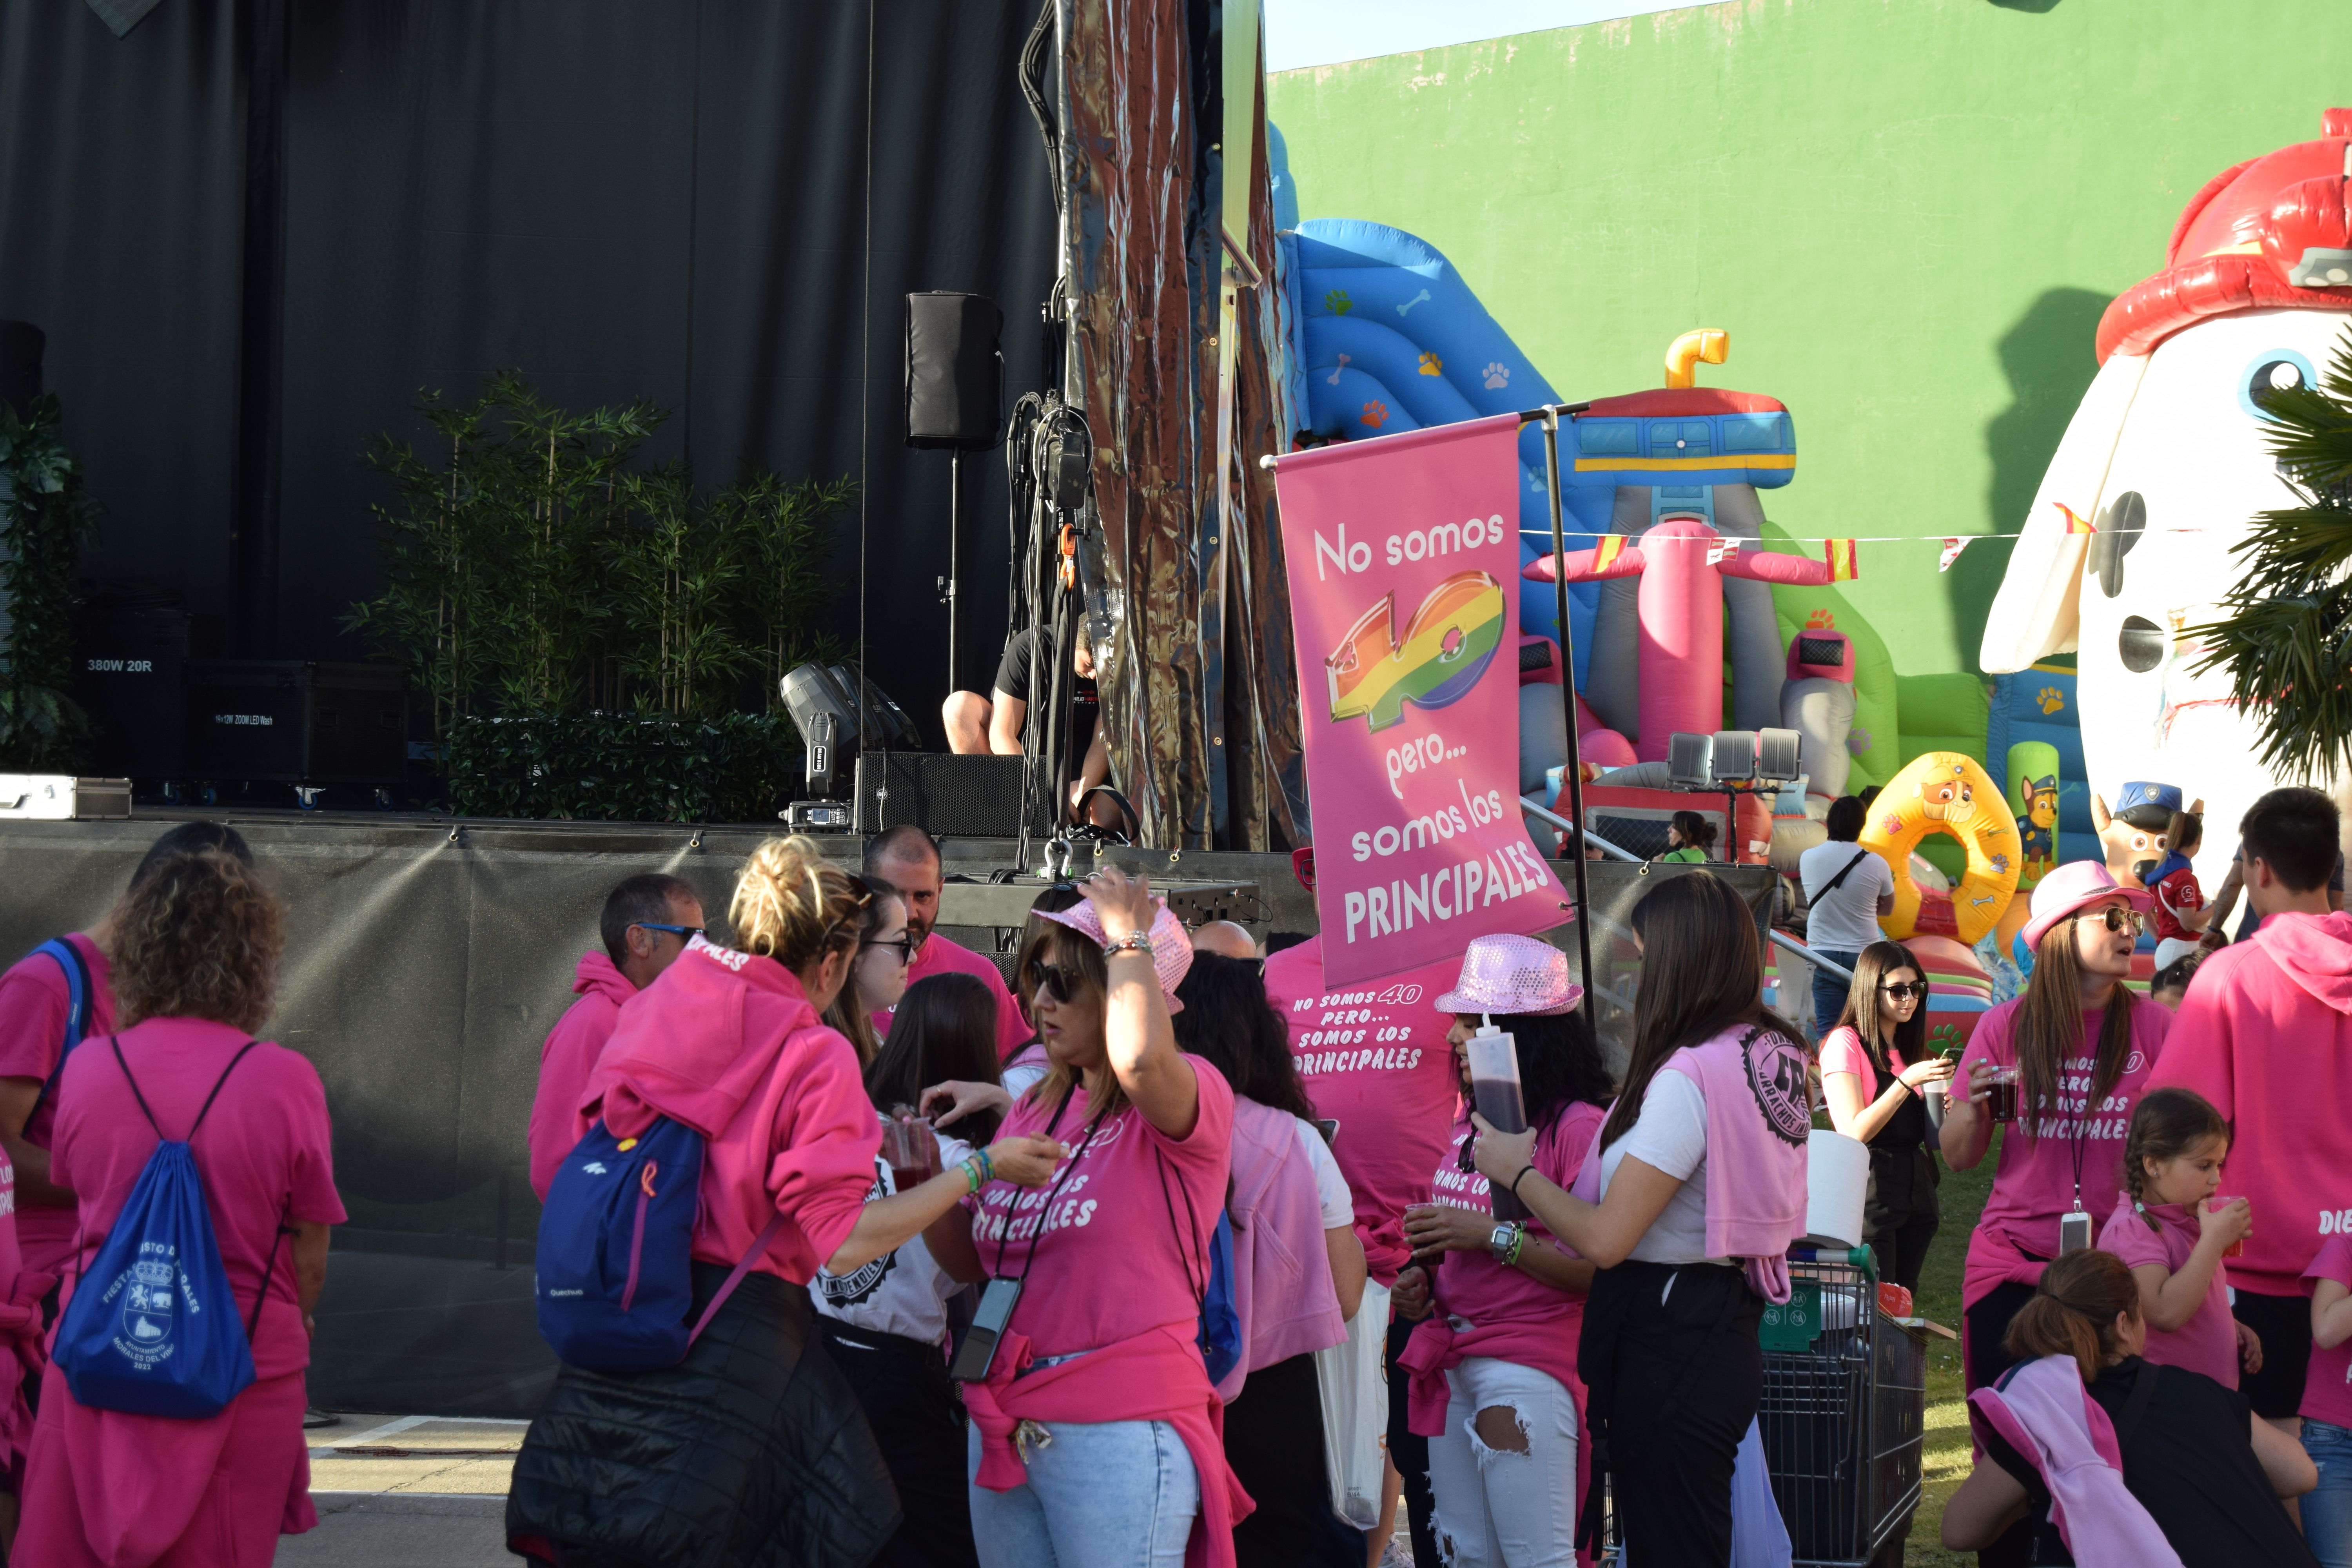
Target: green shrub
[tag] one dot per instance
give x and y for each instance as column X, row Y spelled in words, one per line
column 44, row 518
column 623, row 767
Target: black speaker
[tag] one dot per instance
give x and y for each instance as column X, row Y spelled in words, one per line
column 946, row 797
column 20, row 364
column 953, row 375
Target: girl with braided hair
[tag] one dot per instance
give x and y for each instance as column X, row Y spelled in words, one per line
column 2173, row 1234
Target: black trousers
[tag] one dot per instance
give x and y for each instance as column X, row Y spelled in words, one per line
column 2284, row 1325
column 1986, row 1324
column 1902, row 1247
column 918, row 1421
column 1273, row 1440
column 1409, row 1452
column 1681, row 1375
column 1901, row 1216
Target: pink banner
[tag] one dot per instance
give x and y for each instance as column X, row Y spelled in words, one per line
column 1403, row 559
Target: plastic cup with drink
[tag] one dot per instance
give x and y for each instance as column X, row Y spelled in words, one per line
column 2001, row 1093
column 1494, row 1058
column 2215, row 1204
column 909, row 1148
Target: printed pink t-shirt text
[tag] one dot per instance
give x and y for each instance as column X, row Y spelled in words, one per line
column 1106, row 1265
column 33, row 1004
column 265, row 1149
column 1473, row 1285
column 2034, row 1183
column 1374, row 1057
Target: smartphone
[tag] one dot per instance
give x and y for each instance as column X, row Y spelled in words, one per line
column 974, row 1357
column 1329, row 1127
column 2074, row 1233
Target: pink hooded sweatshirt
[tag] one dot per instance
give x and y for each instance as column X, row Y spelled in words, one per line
column 726, row 1043
column 2265, row 1033
column 567, row 1058
column 1282, row 1271
column 2042, row 1410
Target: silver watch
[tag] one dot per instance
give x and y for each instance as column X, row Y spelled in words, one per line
column 1500, row 1242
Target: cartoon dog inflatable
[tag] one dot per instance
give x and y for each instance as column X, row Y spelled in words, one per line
column 2164, row 466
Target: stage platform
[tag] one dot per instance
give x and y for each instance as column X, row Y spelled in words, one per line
column 426, row 959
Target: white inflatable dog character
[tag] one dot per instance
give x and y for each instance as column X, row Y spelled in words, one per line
column 2165, row 463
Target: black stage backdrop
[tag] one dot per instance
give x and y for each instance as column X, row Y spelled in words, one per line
column 665, row 198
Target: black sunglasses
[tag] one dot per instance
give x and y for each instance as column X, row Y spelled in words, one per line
column 1060, row 983
column 905, row 944
column 1905, row 988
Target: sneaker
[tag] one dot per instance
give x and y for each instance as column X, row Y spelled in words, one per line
column 313, row 1418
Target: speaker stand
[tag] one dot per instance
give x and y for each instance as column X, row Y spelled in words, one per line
column 955, row 552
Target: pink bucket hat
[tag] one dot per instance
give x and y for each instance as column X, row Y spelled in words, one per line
column 2072, row 889
column 1506, row 974
column 1171, row 948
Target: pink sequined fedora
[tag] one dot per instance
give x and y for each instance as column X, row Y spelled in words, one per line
column 1511, row 974
column 2073, row 888
column 1171, row 948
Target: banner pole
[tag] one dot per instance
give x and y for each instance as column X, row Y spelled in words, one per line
column 1575, row 770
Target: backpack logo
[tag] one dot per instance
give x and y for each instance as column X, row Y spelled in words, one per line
column 147, row 1312
column 594, row 1168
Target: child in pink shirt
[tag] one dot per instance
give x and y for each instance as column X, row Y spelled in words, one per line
column 2173, row 1236
column 2326, row 1407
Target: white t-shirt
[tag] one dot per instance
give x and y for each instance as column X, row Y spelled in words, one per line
column 903, row 1292
column 1845, row 921
column 1671, row 1136
column 1028, row 1065
column 1330, row 1187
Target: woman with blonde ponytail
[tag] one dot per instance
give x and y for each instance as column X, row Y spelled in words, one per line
column 748, row 1450
column 2200, row 1478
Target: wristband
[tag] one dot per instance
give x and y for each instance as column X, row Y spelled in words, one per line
column 978, row 1170
column 1517, row 1179
column 1133, row 942
column 1519, row 1240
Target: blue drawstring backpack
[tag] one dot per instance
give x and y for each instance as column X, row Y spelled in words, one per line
column 615, row 1276
column 151, row 1329
column 68, row 957
column 1221, row 1320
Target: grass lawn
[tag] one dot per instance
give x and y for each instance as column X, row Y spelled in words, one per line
column 1946, row 1462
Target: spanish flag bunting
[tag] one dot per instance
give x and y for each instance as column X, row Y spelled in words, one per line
column 1609, row 547
column 1952, row 548
column 1839, row 553
column 1720, row 549
column 2075, row 521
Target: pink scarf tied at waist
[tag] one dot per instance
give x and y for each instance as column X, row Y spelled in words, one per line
column 20, row 1339
column 1437, row 1347
column 1156, row 1376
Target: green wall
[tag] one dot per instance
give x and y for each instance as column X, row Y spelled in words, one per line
column 1907, row 213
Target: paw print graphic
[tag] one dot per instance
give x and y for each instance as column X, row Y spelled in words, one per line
column 2050, row 700
column 1336, row 300
column 1820, row 621
column 1891, row 823
column 1376, row 413
column 1431, row 366
column 1858, row 740
column 1943, row 1037
column 1498, row 374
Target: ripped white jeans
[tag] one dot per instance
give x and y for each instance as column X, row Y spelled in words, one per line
column 1496, row 1507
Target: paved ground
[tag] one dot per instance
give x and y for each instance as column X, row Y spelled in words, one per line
column 410, row 1491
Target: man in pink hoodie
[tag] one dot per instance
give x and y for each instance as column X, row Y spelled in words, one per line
column 2265, row 1033
column 648, row 922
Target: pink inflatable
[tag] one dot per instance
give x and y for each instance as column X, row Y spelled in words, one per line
column 1681, row 563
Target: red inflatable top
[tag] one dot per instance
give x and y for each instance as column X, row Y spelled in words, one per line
column 2274, row 231
column 1664, row 401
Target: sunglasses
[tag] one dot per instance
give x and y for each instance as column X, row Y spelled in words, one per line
column 2119, row 917
column 689, row 932
column 1905, row 988
column 1061, row 984
column 904, row 945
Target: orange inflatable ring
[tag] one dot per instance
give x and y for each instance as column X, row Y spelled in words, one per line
column 1948, row 793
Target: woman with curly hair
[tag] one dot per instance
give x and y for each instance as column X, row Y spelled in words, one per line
column 749, row 1449
column 195, row 947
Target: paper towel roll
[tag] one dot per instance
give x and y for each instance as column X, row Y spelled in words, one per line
column 1837, row 1179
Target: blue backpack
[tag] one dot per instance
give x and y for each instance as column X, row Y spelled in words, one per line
column 68, row 957
column 1221, row 1320
column 151, row 1329
column 615, row 1276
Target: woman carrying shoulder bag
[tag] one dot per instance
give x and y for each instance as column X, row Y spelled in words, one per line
column 1685, row 1206
column 195, row 950
column 1875, row 1068
column 1095, row 1431
column 748, row 1451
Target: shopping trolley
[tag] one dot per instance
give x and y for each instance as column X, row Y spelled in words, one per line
column 1844, row 1411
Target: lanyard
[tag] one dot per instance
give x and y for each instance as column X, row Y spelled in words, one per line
column 1005, row 1239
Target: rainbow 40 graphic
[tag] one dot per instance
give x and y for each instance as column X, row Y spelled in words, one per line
column 1447, row 646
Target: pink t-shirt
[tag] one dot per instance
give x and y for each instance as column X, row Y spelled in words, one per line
column 2208, row 1342
column 1374, row 1057
column 2327, row 1385
column 2034, row 1183
column 1471, row 1284
column 33, row 1003
column 1842, row 1051
column 1108, row 1265
column 265, row 1151
column 938, row 955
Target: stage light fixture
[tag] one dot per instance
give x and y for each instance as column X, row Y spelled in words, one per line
column 1690, row 760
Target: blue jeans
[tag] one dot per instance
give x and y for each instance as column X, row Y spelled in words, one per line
column 1110, row 1494
column 1829, row 990
column 2327, row 1511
